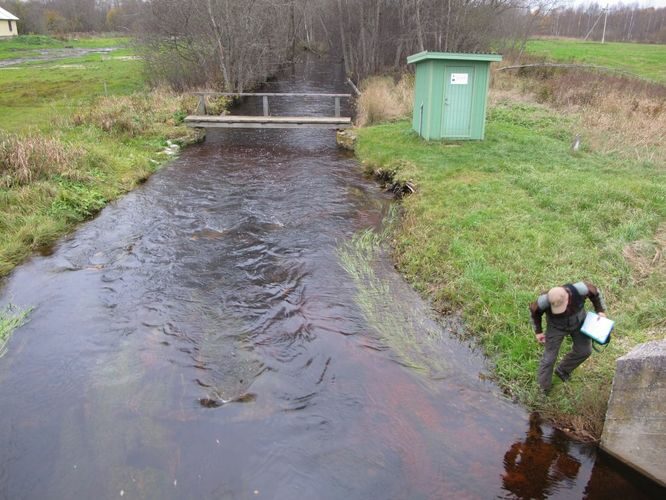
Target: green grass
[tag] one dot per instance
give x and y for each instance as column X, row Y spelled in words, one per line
column 110, row 144
column 496, row 222
column 33, row 94
column 643, row 60
column 39, row 98
column 34, row 215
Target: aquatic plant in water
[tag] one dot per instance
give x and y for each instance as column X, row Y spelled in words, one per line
column 400, row 324
column 11, row 317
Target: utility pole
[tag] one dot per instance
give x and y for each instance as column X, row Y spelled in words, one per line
column 592, row 28
column 603, row 36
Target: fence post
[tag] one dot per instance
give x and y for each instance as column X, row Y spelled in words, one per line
column 265, row 99
column 337, row 107
column 201, row 107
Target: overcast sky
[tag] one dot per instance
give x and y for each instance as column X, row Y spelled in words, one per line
column 641, row 3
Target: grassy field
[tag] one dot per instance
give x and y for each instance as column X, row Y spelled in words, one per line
column 495, row 223
column 75, row 134
column 31, row 45
column 33, row 94
column 643, row 60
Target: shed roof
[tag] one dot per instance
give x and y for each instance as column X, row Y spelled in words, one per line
column 4, row 15
column 452, row 56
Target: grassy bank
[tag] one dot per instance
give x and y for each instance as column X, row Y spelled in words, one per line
column 644, row 60
column 51, row 181
column 76, row 134
column 494, row 223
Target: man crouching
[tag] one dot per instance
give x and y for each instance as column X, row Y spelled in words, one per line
column 565, row 312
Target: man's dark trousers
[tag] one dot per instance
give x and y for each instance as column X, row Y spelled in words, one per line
column 582, row 348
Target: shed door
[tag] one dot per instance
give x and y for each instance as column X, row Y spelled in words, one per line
column 458, row 94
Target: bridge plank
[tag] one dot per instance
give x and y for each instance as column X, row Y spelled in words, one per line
column 232, row 121
column 269, row 94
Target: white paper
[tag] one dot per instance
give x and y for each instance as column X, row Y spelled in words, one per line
column 597, row 327
column 459, row 78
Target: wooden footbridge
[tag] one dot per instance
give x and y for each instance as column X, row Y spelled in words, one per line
column 204, row 120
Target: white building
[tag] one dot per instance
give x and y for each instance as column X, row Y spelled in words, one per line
column 7, row 24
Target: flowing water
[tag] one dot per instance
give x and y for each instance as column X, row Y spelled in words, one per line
column 234, row 329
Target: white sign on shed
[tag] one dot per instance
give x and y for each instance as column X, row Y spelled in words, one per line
column 459, row 78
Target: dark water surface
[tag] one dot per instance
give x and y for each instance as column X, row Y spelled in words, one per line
column 220, row 333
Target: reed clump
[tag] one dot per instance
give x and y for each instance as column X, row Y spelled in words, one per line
column 26, row 158
column 383, row 99
column 136, row 114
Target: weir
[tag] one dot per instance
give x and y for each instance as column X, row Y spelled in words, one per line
column 203, row 120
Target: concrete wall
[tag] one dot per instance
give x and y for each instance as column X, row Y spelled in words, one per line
column 635, row 426
column 4, row 28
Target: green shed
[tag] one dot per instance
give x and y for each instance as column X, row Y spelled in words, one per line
column 450, row 94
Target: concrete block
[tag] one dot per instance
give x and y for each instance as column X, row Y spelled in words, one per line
column 635, row 426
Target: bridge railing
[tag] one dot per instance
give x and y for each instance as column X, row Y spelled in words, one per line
column 202, row 109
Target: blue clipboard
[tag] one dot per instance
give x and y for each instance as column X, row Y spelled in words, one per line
column 597, row 327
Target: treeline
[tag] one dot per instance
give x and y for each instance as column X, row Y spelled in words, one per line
column 624, row 23
column 235, row 44
column 74, row 16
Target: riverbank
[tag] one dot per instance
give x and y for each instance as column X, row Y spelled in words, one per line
column 75, row 134
column 52, row 180
column 494, row 223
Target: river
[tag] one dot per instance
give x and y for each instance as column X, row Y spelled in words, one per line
column 234, row 329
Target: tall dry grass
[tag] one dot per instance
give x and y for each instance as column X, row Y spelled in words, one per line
column 619, row 115
column 136, row 114
column 26, row 158
column 382, row 99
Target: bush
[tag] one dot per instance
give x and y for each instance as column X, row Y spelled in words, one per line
column 383, row 100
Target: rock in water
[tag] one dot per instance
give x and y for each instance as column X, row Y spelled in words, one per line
column 346, row 139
